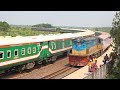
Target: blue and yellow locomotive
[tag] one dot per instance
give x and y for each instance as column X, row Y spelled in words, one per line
column 83, row 48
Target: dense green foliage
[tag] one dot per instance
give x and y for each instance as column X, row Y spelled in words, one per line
column 115, row 34
column 115, row 73
column 4, row 26
column 43, row 25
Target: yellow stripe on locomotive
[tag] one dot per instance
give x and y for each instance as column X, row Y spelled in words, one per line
column 74, row 52
column 88, row 51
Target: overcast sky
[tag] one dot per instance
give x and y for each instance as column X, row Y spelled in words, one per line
column 59, row 18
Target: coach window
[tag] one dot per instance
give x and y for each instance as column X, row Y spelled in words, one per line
column 1, row 54
column 8, row 54
column 23, row 51
column 16, row 52
column 34, row 49
column 38, row 44
column 29, row 50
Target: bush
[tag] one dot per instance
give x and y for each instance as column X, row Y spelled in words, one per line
column 4, row 26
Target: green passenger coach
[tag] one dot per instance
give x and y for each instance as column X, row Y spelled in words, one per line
column 16, row 52
column 32, row 53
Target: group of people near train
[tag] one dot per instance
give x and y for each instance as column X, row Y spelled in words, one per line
column 93, row 61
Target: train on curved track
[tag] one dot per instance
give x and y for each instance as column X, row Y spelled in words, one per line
column 84, row 48
column 21, row 53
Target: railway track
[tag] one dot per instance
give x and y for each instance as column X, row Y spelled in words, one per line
column 64, row 71
column 38, row 72
column 61, row 73
column 15, row 75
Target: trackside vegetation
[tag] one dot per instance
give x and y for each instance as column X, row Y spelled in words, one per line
column 7, row 30
column 115, row 33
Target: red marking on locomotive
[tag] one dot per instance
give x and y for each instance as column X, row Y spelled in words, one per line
column 78, row 60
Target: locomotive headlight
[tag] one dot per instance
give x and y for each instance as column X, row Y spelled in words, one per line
column 78, row 40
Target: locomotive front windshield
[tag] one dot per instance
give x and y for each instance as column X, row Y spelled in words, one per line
column 84, row 43
column 78, row 44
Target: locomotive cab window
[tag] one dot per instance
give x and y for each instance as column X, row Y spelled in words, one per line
column 16, row 52
column 78, row 43
column 8, row 54
column 29, row 50
column 34, row 49
column 23, row 51
column 1, row 55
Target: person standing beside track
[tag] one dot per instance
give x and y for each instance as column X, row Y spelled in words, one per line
column 89, row 65
column 90, row 62
column 94, row 66
column 94, row 59
column 106, row 59
column 91, row 57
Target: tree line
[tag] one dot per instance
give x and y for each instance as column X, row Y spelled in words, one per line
column 8, row 30
column 115, row 34
column 44, row 25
